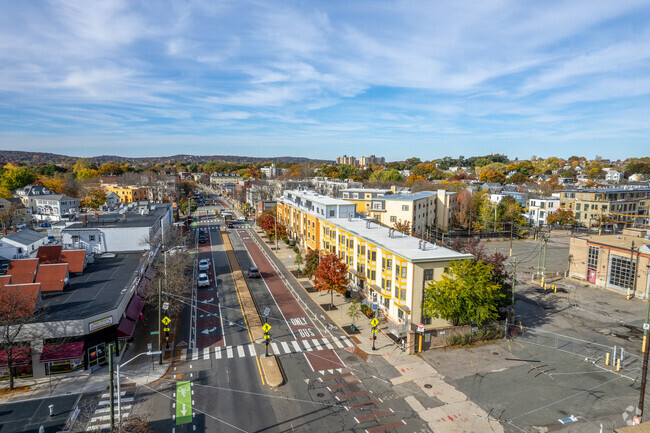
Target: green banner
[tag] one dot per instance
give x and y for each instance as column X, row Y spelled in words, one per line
column 183, row 402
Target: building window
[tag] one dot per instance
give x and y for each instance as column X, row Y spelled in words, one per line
column 332, row 212
column 403, row 271
column 393, row 218
column 91, row 238
column 621, row 272
column 402, row 295
column 592, row 258
column 428, row 274
column 386, row 303
column 405, row 207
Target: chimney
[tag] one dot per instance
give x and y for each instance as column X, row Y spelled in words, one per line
column 4, row 231
column 13, row 229
column 96, row 217
column 124, row 217
column 84, row 220
column 420, row 244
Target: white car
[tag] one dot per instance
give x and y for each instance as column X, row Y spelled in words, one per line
column 203, row 280
column 204, row 264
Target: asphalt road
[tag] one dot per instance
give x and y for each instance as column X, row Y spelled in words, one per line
column 29, row 416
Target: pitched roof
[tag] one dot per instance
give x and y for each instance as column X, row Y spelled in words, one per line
column 19, row 300
column 25, row 236
column 22, row 271
column 49, row 253
column 52, row 277
column 75, row 258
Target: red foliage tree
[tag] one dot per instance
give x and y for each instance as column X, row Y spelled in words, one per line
column 331, row 275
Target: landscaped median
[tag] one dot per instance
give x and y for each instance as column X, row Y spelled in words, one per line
column 269, row 365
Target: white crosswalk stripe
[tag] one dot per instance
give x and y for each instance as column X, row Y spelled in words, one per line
column 279, row 348
column 100, row 417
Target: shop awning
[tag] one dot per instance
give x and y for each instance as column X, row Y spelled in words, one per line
column 357, row 273
column 62, row 352
column 135, row 308
column 21, row 356
column 379, row 291
column 404, row 308
column 125, row 328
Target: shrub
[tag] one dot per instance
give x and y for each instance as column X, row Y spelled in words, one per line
column 480, row 335
column 296, row 249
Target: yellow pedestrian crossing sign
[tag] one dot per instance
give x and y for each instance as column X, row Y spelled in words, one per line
column 374, row 322
column 166, row 320
column 374, row 331
column 267, row 337
column 266, row 327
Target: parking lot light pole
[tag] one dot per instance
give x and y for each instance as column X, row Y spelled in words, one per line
column 119, row 397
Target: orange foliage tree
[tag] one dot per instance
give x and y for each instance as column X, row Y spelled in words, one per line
column 492, row 176
column 331, row 275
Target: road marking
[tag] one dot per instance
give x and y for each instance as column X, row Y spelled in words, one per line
column 108, row 395
column 183, row 402
column 206, row 353
column 296, row 346
column 123, row 400
column 240, row 351
column 229, row 352
column 328, row 344
column 217, row 352
column 276, row 351
column 251, row 349
column 125, row 408
column 195, row 354
column 316, row 345
column 307, row 346
column 285, row 346
column 346, row 341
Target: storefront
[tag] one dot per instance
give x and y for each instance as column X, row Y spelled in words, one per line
column 126, row 327
column 63, row 358
column 21, row 363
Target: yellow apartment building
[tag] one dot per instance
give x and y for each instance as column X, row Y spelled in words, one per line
column 626, row 207
column 386, row 267
column 129, row 194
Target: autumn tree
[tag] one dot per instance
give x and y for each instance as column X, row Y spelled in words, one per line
column 16, row 177
column 403, row 227
column 491, row 176
column 311, row 263
column 95, row 198
column 561, row 216
column 331, row 275
column 465, row 294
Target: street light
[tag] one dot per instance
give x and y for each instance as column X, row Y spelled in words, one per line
column 119, row 397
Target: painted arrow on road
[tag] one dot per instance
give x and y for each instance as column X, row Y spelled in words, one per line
column 208, row 331
column 207, row 301
column 183, row 402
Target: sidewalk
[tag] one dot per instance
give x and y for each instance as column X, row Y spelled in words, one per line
column 452, row 411
column 143, row 370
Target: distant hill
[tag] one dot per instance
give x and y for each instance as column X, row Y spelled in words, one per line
column 7, row 156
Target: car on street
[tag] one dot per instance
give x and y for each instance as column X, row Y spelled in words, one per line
column 230, row 225
column 21, row 226
column 203, row 239
column 45, row 224
column 253, row 272
column 203, row 280
column 204, row 264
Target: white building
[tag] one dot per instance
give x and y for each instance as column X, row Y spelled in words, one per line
column 25, row 242
column 272, row 172
column 541, row 207
column 418, row 209
column 613, row 176
column 54, row 207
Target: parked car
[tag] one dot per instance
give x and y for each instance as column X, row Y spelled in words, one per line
column 203, row 280
column 51, row 240
column 202, row 239
column 204, row 265
column 21, row 226
column 45, row 224
column 253, row 272
column 230, row 225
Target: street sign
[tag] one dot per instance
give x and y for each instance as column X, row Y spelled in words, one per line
column 646, row 326
column 154, row 332
column 267, row 310
column 374, row 331
column 375, row 307
column 374, row 322
column 421, row 327
column 149, row 347
column 166, row 320
column 266, row 327
column 267, row 337
column 166, row 329
column 165, row 305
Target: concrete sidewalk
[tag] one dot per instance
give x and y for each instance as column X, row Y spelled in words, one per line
column 452, row 411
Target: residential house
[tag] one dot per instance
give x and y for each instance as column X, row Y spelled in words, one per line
column 25, row 241
column 55, row 207
column 363, row 197
column 417, row 209
column 613, row 176
column 128, row 194
column 541, row 207
column 332, row 187
column 29, row 193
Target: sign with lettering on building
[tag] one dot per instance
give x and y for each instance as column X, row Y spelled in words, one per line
column 101, row 323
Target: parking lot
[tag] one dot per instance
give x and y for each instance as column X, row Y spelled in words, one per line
column 555, row 367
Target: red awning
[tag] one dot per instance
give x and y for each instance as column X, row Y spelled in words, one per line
column 21, row 356
column 135, row 308
column 126, row 328
column 62, row 352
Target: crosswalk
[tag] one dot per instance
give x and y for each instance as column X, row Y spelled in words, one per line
column 101, row 417
column 277, row 347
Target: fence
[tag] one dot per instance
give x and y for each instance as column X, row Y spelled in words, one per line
column 594, row 352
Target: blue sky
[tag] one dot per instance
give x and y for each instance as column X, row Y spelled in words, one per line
column 325, row 78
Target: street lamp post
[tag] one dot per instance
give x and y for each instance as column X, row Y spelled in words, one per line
column 119, row 397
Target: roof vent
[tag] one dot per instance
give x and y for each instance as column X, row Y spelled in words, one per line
column 424, row 246
column 420, row 244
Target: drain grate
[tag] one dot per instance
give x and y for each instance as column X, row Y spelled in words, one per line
column 320, row 394
column 428, row 386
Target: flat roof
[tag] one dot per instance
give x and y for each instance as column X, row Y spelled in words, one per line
column 366, row 190
column 317, row 198
column 409, row 197
column 26, row 236
column 113, row 220
column 97, row 290
column 605, row 190
column 623, row 242
column 400, row 244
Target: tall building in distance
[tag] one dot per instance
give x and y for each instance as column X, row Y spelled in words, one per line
column 364, row 161
column 350, row 160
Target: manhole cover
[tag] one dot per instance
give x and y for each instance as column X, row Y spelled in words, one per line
column 495, row 353
column 428, row 386
column 320, row 394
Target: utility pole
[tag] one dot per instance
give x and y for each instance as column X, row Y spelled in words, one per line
column 644, row 372
column 159, row 320
column 111, row 385
column 633, row 268
column 514, row 279
column 544, row 263
column 511, row 240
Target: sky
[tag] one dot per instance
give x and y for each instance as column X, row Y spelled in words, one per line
column 320, row 79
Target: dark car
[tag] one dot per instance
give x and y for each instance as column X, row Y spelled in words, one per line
column 203, row 239
column 230, row 225
column 45, row 224
column 253, row 272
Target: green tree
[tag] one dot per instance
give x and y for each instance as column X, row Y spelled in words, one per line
column 298, row 260
column 16, row 177
column 465, row 294
column 95, row 198
column 311, row 263
column 354, row 312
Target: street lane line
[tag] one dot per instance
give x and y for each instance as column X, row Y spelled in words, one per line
column 285, row 346
column 276, row 351
column 217, row 352
column 328, row 344
column 251, row 349
column 240, row 351
column 296, row 346
column 229, row 351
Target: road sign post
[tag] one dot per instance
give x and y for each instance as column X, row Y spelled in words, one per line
column 374, row 322
column 267, row 337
